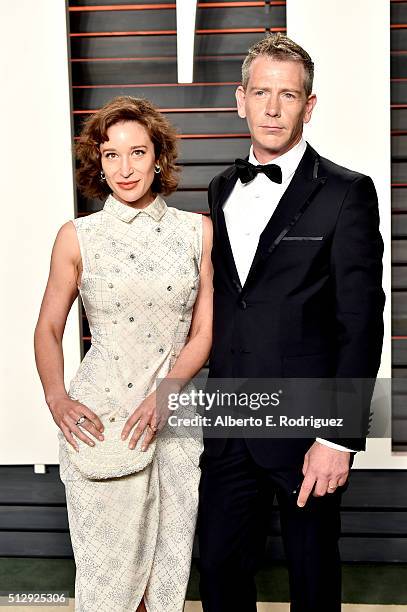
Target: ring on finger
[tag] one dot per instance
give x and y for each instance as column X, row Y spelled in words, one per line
column 332, row 487
column 80, row 420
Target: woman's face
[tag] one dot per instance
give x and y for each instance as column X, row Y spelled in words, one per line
column 128, row 160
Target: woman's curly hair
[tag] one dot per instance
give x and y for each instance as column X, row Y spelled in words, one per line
column 94, row 133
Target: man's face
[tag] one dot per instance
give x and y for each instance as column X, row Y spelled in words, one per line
column 275, row 106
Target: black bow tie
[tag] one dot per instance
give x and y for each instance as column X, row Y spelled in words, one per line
column 247, row 172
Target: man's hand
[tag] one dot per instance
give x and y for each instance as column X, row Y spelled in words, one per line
column 324, row 467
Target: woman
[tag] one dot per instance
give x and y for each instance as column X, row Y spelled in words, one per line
column 144, row 275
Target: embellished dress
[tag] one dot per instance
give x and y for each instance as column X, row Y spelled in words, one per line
column 132, row 536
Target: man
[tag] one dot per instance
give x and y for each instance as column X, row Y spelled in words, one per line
column 297, row 277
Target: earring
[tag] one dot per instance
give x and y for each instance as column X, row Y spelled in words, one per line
column 157, row 169
column 102, row 176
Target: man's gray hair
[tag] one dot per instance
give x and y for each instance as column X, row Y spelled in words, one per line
column 279, row 47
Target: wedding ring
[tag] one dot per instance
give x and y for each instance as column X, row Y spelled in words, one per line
column 332, row 488
column 80, row 420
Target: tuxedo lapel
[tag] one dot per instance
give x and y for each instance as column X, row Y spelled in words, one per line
column 303, row 187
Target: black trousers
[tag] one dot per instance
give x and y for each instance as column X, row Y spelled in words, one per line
column 234, row 517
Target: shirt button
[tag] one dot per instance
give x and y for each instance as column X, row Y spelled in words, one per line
column 112, row 419
column 117, row 269
column 150, row 304
column 183, row 304
column 243, row 305
column 158, row 229
column 160, row 350
column 110, row 285
column 114, row 322
column 130, row 385
column 113, row 243
column 132, row 256
column 169, row 288
column 118, row 304
column 181, row 318
column 131, row 319
column 146, row 367
column 97, row 256
column 116, row 357
column 173, row 353
column 148, row 335
column 107, row 389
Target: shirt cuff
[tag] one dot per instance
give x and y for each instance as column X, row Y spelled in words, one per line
column 336, row 446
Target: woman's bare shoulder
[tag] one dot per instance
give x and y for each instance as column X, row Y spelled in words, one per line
column 66, row 243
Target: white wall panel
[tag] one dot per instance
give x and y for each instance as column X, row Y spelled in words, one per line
column 37, row 198
column 349, row 41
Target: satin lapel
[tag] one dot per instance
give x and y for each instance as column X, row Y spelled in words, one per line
column 219, row 223
column 303, row 187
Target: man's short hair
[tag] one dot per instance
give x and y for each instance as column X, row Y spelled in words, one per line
column 279, row 47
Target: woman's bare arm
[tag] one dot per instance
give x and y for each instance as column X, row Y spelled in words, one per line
column 60, row 293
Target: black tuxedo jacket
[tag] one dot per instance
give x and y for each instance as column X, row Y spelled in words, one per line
column 312, row 304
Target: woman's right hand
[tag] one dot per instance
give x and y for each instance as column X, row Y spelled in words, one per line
column 66, row 412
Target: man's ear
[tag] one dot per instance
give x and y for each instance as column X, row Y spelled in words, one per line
column 240, row 99
column 312, row 100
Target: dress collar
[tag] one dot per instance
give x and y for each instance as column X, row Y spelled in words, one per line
column 288, row 162
column 124, row 212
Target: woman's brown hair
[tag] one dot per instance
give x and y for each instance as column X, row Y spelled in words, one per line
column 94, row 132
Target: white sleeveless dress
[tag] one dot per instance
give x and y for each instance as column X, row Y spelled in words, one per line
column 133, row 536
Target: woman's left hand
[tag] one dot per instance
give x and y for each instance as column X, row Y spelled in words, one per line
column 151, row 415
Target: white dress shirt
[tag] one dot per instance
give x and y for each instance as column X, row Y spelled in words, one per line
column 248, row 210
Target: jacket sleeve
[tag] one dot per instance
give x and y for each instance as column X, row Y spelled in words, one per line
column 356, row 269
column 211, row 189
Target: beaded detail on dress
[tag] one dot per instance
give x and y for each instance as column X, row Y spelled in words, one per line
column 139, row 284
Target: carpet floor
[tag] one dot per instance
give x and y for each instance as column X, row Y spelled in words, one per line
column 362, row 584
column 195, row 606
